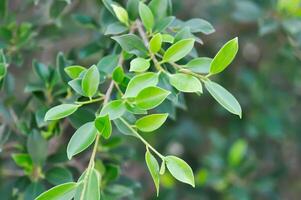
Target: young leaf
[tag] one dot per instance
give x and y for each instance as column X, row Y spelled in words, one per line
column 199, row 65
column 153, row 168
column 64, row 191
column 90, row 81
column 81, row 139
column 139, row 65
column 155, row 43
column 224, row 57
column 186, row 83
column 146, row 16
column 131, row 44
column 178, row 51
column 223, row 97
column 103, row 125
column 139, row 82
column 237, row 152
column 151, row 97
column 121, row 14
column 118, row 75
column 168, row 38
column 199, row 25
column 114, row 109
column 152, row 122
column 74, row 71
column 60, row 111
column 180, row 170
column 92, row 189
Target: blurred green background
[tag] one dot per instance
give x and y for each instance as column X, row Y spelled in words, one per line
column 257, row 157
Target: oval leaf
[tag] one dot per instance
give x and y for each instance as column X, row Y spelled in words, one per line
column 151, row 97
column 60, row 111
column 90, row 81
column 114, row 109
column 153, row 168
column 155, row 43
column 146, row 16
column 121, row 14
column 132, row 44
column 151, row 122
column 178, row 51
column 186, row 83
column 139, row 65
column 74, row 71
column 65, row 191
column 92, row 189
column 103, row 125
column 199, row 65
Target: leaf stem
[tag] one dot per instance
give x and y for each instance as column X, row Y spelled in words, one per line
column 89, row 101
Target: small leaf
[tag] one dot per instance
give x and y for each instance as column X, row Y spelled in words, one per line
column 108, row 63
column 151, row 97
column 81, row 139
column 121, row 14
column 153, row 168
column 199, row 65
column 168, row 38
column 3, row 71
column 223, row 97
column 199, row 25
column 163, row 24
column 139, row 82
column 152, row 122
column 58, row 175
column 114, row 109
column 103, row 125
column 180, row 170
column 139, row 65
column 115, row 28
column 155, row 43
column 74, row 71
column 132, row 44
column 118, row 75
column 146, row 16
column 23, row 160
column 90, row 81
column 237, row 152
column 186, row 83
column 60, row 111
column 224, row 57
column 178, row 51
column 64, row 191
column 92, row 191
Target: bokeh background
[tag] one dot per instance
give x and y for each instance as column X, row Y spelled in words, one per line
column 257, row 157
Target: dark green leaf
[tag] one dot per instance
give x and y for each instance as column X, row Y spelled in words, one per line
column 131, row 44
column 58, row 175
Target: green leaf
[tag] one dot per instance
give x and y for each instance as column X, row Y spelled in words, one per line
column 153, row 168
column 103, row 125
column 223, row 97
column 224, row 57
column 159, row 8
column 76, row 85
column 107, row 64
column 115, row 28
column 139, row 65
column 146, row 16
column 186, row 83
column 90, row 81
column 3, row 8
column 155, row 43
column 178, row 51
column 152, row 122
column 164, row 24
column 57, row 8
column 92, row 191
column 132, row 8
column 132, row 44
column 3, row 70
column 199, row 25
column 118, row 74
column 139, row 82
column 199, row 65
column 151, row 97
column 237, row 152
column 114, row 109
column 168, row 38
column 124, row 127
column 81, row 139
column 23, row 160
column 74, row 71
column 37, row 147
column 64, row 191
column 58, row 175
column 60, row 111
column 41, row 70
column 180, row 170
column 33, row 190
column 121, row 14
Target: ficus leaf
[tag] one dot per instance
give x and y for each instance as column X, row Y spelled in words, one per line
column 131, row 44
column 103, row 125
column 151, row 97
column 118, row 74
column 152, row 122
column 155, row 43
column 114, row 109
column 153, row 168
column 199, row 65
column 178, row 50
column 64, row 191
column 90, row 81
column 92, row 189
column 139, row 65
column 74, row 71
column 81, row 139
column 60, row 111
column 224, row 57
column 185, row 83
column 199, row 25
column 58, row 175
column 121, row 14
column 146, row 16
column 223, row 97
column 180, row 170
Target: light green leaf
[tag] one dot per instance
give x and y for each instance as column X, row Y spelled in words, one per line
column 223, row 97
column 3, row 70
column 139, row 65
column 92, row 190
column 90, row 81
column 237, row 152
column 139, row 82
column 81, row 139
column 118, row 74
column 64, row 191
column 114, row 109
column 168, row 38
column 224, row 57
column 199, row 65
column 121, row 14
column 60, row 111
column 103, row 125
column 155, row 43
column 74, row 71
column 23, row 160
column 180, row 170
column 151, row 97
column 186, row 83
column 152, row 122
column 132, row 44
column 199, row 25
column 178, row 50
column 153, row 168
column 146, row 16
